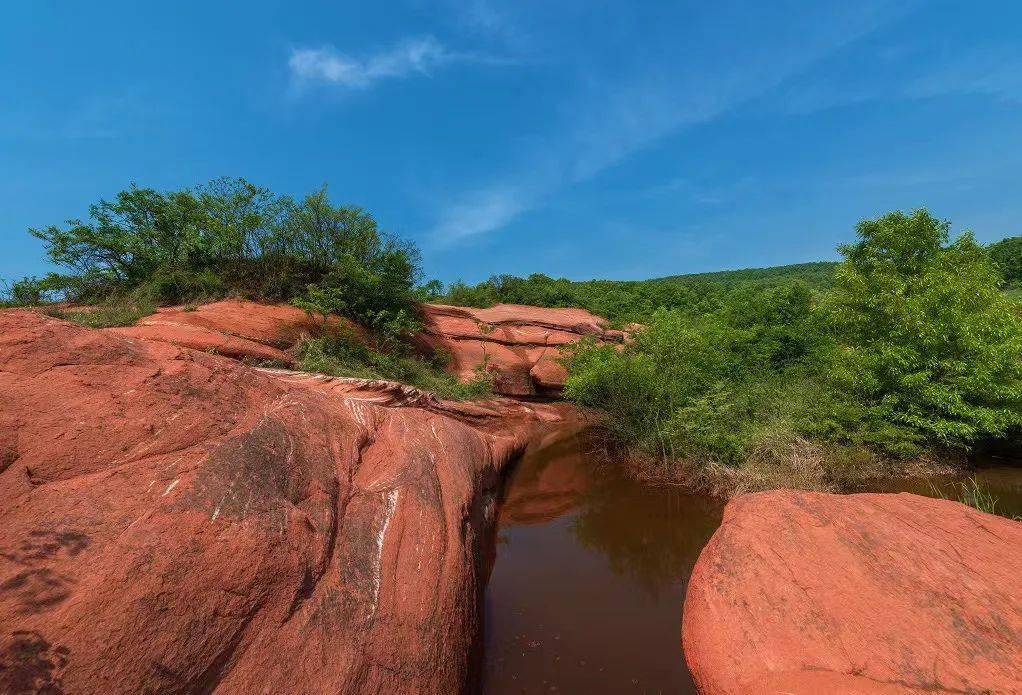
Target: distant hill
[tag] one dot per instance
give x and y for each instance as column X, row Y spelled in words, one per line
column 695, row 293
column 817, row 272
column 634, row 300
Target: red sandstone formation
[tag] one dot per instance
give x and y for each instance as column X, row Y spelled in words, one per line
column 206, row 340
column 519, row 344
column 804, row 593
column 174, row 521
column 237, row 328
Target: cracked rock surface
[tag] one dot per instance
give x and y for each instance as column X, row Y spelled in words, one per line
column 519, row 345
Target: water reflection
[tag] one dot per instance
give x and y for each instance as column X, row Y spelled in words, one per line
column 652, row 535
column 587, row 589
column 546, row 483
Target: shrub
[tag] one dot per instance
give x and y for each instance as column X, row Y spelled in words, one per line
column 27, row 291
column 930, row 342
column 706, row 388
column 911, row 348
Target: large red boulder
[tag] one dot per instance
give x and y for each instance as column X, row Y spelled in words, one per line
column 801, row 592
column 174, row 521
column 519, row 345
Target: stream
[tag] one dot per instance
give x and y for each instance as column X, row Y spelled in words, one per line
column 591, row 568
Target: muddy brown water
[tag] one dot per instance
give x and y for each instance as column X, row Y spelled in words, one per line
column 587, row 588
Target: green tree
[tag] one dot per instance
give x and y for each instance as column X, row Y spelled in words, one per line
column 360, row 272
column 177, row 243
column 930, row 342
column 1007, row 256
column 230, row 236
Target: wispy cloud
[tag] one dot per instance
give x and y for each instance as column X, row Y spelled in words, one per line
column 995, row 73
column 327, row 64
column 481, row 212
column 410, row 57
column 609, row 120
column 908, row 71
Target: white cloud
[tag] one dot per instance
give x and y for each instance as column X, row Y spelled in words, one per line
column 327, row 64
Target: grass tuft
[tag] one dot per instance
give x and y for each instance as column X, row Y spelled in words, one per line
column 342, row 355
column 111, row 313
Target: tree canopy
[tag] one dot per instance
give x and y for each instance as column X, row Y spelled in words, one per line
column 1007, row 256
column 931, row 341
column 232, row 237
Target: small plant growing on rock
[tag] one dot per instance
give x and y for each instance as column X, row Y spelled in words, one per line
column 976, row 495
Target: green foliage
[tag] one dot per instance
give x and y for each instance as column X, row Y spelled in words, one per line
column 930, row 342
column 431, row 291
column 1007, row 256
column 713, row 387
column 342, row 355
column 970, row 492
column 231, row 237
column 908, row 346
column 976, row 495
column 28, row 291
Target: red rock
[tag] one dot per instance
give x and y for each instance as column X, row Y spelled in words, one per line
column 205, row 339
column 802, row 592
column 174, row 521
column 279, row 325
column 509, row 370
column 519, row 344
column 547, row 372
column 239, row 329
column 572, row 320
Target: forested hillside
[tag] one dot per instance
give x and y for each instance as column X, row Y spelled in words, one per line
column 624, row 301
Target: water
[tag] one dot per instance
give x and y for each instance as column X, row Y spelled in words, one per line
column 588, row 585
column 586, row 592
column 1002, row 478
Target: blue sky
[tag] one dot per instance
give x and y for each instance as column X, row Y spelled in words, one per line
column 579, row 139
